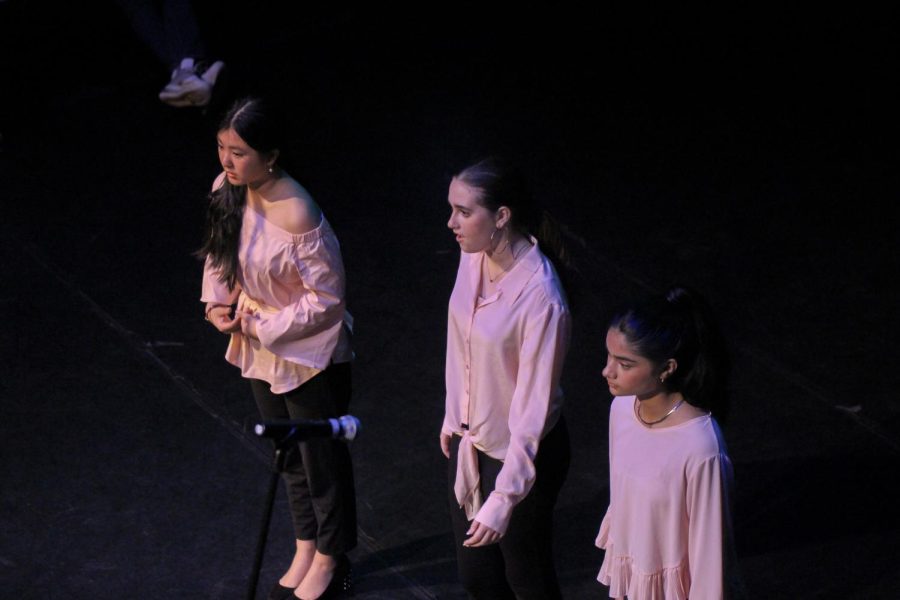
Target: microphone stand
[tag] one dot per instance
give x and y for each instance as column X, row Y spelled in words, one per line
column 277, row 468
column 282, row 446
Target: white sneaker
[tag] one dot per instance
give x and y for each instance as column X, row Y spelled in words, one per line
column 186, row 88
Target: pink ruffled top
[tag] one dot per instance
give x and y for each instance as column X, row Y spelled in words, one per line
column 668, row 522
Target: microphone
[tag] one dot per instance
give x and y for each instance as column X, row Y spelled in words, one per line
column 285, row 430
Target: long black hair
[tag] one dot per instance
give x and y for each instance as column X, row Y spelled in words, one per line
column 501, row 183
column 256, row 122
column 680, row 325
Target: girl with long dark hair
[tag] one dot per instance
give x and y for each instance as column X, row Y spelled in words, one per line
column 270, row 253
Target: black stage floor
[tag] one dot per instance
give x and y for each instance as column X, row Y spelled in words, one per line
column 749, row 154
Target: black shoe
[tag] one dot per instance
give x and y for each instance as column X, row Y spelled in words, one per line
column 340, row 586
column 279, row 592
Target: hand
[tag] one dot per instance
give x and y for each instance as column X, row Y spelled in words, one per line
column 445, row 444
column 248, row 324
column 219, row 317
column 481, row 535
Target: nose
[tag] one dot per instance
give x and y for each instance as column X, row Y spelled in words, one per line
column 607, row 370
column 451, row 222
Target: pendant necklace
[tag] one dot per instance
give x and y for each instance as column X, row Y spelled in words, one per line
column 515, row 257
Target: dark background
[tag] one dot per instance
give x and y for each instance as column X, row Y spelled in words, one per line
column 748, row 153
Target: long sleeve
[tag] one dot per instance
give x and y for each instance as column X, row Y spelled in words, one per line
column 541, row 360
column 214, row 290
column 605, row 524
column 705, row 528
column 316, row 314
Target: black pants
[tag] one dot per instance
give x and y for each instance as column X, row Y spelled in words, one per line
column 521, row 565
column 318, row 473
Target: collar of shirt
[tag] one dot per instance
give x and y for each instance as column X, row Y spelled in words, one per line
column 510, row 287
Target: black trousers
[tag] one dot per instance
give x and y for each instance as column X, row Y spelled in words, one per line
column 521, row 565
column 318, row 473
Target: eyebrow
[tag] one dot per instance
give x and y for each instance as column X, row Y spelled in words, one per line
column 224, row 145
column 624, row 358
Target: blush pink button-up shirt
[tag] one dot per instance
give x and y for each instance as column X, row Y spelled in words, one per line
column 295, row 283
column 505, row 355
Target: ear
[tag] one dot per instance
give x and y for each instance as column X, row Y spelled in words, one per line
column 502, row 217
column 273, row 158
column 668, row 369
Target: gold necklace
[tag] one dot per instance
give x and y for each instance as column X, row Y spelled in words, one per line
column 515, row 257
column 637, row 411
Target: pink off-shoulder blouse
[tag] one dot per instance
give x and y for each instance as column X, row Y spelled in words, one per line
column 295, row 283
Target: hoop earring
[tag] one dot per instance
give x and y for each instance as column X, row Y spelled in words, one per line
column 501, row 229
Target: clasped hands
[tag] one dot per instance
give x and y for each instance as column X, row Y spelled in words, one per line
column 245, row 322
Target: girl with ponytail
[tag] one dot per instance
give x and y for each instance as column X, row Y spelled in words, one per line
column 272, row 258
column 667, row 532
column 503, row 432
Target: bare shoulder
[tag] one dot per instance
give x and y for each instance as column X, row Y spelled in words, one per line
column 294, row 208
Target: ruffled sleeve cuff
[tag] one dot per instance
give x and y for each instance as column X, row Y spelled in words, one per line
column 214, row 290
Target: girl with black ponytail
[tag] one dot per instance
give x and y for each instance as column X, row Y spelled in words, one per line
column 270, row 253
column 667, row 532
